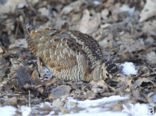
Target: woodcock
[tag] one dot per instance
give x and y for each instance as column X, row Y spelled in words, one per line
column 70, row 55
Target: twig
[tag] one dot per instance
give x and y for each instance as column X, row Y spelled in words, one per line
column 29, row 99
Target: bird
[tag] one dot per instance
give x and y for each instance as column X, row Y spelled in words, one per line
column 70, row 54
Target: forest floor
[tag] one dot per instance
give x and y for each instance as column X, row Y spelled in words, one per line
column 126, row 32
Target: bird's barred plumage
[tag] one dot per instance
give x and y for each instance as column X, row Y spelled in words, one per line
column 70, row 55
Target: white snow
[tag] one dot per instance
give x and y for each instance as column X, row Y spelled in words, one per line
column 42, row 105
column 97, row 113
column 89, row 103
column 129, row 68
column 92, row 108
column 25, row 110
column 137, row 110
column 7, row 111
column 133, row 110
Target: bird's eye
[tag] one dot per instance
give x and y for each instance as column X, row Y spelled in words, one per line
column 107, row 75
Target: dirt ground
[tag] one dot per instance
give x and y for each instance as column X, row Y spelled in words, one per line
column 125, row 30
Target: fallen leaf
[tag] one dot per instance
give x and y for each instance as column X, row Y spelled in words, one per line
column 89, row 24
column 74, row 6
column 148, row 11
column 23, row 76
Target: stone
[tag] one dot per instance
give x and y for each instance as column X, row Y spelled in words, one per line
column 60, row 91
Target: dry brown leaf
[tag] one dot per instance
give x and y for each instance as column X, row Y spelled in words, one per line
column 148, row 11
column 89, row 24
column 74, row 6
column 151, row 57
column 10, row 5
column 150, row 27
column 35, row 77
column 1, row 50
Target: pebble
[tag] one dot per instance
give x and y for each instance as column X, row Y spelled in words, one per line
column 60, row 91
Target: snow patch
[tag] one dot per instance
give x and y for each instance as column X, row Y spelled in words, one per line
column 94, row 107
column 42, row 105
column 25, row 110
column 7, row 111
column 129, row 68
column 138, row 110
column 90, row 108
column 97, row 113
column 130, row 110
column 89, row 103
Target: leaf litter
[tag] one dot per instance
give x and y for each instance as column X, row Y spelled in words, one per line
column 125, row 31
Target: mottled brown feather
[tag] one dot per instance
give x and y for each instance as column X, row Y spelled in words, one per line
column 70, row 55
